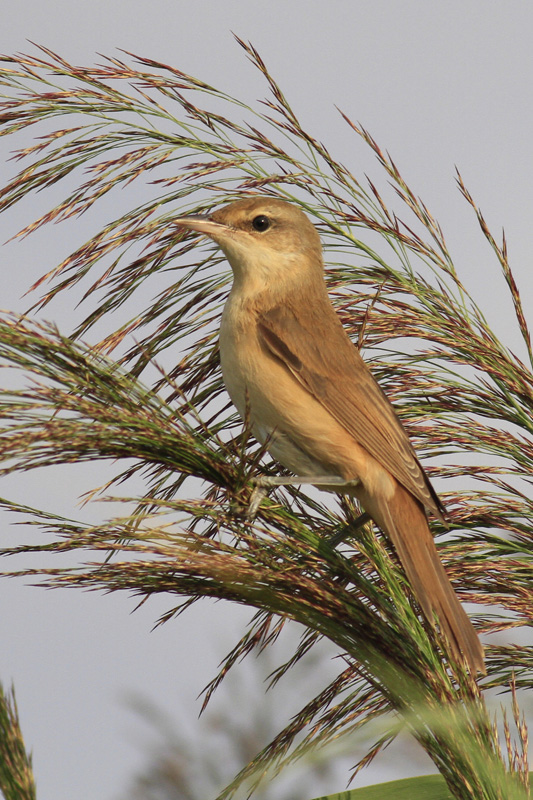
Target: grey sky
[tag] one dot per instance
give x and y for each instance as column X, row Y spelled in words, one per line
column 438, row 84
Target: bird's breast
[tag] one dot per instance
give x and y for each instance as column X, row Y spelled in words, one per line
column 257, row 382
column 262, row 392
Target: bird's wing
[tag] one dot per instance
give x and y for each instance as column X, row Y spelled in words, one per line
column 327, row 364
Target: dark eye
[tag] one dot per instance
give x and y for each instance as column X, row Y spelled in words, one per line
column 261, row 223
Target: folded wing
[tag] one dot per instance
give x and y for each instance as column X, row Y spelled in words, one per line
column 336, row 375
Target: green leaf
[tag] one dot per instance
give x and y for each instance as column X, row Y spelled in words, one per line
column 423, row 787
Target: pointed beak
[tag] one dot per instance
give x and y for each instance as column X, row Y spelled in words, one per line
column 201, row 224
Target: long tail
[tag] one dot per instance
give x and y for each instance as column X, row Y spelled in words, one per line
column 403, row 519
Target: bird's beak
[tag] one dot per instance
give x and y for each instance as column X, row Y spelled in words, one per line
column 202, row 224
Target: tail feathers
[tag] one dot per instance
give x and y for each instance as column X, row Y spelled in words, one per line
column 403, row 519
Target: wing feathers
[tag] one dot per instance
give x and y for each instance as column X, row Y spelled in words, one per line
column 336, row 375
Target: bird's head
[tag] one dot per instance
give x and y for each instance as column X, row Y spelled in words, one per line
column 268, row 242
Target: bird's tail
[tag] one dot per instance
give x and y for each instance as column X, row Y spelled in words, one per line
column 404, row 521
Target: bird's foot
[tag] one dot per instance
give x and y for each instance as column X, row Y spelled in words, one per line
column 348, row 530
column 267, row 482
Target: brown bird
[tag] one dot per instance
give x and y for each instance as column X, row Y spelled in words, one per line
column 288, row 362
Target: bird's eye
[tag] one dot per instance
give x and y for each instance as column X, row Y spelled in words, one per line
column 261, row 223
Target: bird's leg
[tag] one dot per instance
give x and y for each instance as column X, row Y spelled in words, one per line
column 349, row 530
column 267, row 482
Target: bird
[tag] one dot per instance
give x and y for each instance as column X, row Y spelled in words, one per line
column 291, row 369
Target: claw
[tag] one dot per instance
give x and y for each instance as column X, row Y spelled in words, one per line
column 348, row 530
column 258, row 495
